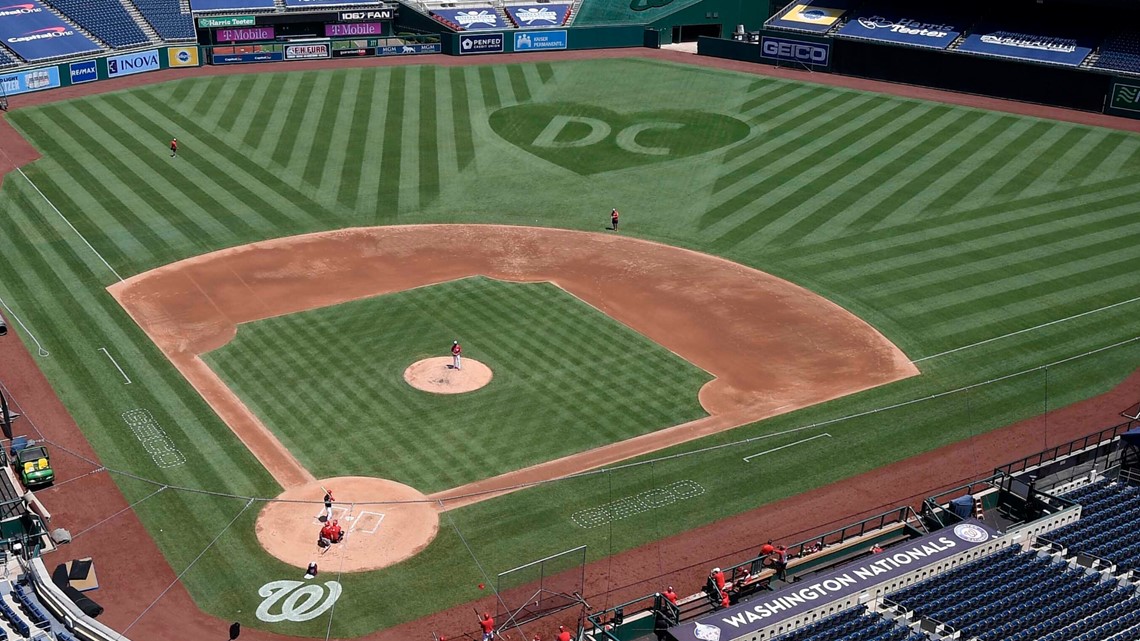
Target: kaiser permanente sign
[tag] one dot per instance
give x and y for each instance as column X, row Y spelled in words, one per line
column 810, row 593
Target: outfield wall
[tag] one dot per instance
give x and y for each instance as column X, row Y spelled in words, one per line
column 65, row 74
column 527, row 40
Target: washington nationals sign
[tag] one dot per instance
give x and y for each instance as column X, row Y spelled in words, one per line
column 299, row 601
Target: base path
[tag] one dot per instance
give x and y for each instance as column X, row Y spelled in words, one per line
column 436, row 375
column 772, row 346
column 385, row 522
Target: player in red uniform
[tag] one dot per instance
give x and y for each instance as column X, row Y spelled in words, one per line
column 488, row 624
column 670, row 594
column 613, row 219
column 173, row 147
column 563, row 634
column 456, row 355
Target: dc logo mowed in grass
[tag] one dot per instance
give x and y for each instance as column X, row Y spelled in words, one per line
column 587, row 139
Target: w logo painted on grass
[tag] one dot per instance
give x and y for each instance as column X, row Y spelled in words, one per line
column 588, row 140
column 300, row 601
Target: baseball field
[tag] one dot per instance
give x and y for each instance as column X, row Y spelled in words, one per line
column 994, row 254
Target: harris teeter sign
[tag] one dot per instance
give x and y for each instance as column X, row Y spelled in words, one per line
column 934, row 34
column 856, row 577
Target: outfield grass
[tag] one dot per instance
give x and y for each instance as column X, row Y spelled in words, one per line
column 942, row 226
column 567, row 378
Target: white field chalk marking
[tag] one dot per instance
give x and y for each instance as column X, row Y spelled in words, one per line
column 777, row 449
column 1027, row 329
column 43, row 352
column 372, row 530
column 116, row 364
column 81, row 237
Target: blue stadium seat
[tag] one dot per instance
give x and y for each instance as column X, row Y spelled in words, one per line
column 167, row 19
column 105, row 19
column 6, row 60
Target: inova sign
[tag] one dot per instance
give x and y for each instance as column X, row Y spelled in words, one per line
column 132, row 63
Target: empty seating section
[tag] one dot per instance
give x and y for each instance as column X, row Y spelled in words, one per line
column 1120, row 52
column 1020, row 596
column 167, row 19
column 1109, row 527
column 105, row 19
column 853, row 625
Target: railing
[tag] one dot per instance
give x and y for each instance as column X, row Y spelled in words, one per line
column 1061, row 451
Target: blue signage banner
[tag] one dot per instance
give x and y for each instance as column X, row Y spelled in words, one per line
column 234, row 58
column 132, row 63
column 1024, row 46
column 540, row 40
column 402, row 50
column 887, row 27
column 816, row 16
column 25, row 81
column 34, row 32
column 220, row 5
column 793, row 50
column 470, row 19
column 538, row 15
column 82, row 72
column 800, row 597
column 481, row 43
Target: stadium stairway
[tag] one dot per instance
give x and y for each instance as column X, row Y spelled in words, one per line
column 141, row 21
column 573, row 12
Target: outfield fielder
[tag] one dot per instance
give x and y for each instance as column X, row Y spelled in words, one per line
column 456, row 355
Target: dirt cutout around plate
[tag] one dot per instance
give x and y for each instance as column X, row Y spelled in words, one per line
column 436, row 375
column 384, row 523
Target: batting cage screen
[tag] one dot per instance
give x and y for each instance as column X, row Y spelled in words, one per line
column 541, row 588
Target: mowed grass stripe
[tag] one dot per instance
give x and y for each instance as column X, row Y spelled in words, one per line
column 409, row 185
column 285, row 141
column 967, row 228
column 1091, row 161
column 306, row 133
column 518, row 83
column 59, row 265
column 388, row 187
column 104, row 178
column 765, row 93
column 850, row 202
column 251, row 110
column 905, row 203
column 316, row 155
column 208, row 95
column 428, row 147
column 461, row 117
column 348, row 192
column 545, row 71
column 214, row 218
column 780, row 121
column 341, row 148
column 1019, row 254
column 961, row 180
column 1041, row 160
column 271, row 116
column 180, row 91
column 863, row 148
column 239, row 98
column 771, row 170
column 488, row 87
column 373, row 149
column 251, row 175
column 1007, row 165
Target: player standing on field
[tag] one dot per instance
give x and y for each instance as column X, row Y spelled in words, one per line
column 456, row 355
column 173, row 147
column 613, row 219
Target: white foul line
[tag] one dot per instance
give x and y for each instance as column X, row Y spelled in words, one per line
column 52, row 205
column 1028, row 329
column 776, row 449
column 116, row 364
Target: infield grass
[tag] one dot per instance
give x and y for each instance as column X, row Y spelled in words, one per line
column 567, row 378
column 944, row 227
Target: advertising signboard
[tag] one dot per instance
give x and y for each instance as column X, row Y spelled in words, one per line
column 539, row 15
column 365, row 16
column 404, row 50
column 904, row 29
column 34, row 32
column 471, row 19
column 540, row 40
column 132, row 63
column 227, row 21
column 812, row 16
column 25, row 81
column 229, row 5
column 480, row 43
column 82, row 72
column 182, row 57
column 794, row 50
column 1023, row 46
column 307, row 51
column 243, row 34
column 354, row 29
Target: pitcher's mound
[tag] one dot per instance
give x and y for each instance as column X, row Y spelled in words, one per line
column 384, row 522
column 436, row 375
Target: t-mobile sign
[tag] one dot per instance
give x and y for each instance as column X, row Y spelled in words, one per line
column 356, row 29
column 243, row 34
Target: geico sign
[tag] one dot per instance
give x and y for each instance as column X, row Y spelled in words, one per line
column 795, row 50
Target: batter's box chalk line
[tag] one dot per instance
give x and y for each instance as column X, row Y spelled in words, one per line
column 636, row 504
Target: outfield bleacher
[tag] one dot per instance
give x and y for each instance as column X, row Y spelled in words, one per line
column 1109, row 527
column 167, row 19
column 107, row 20
column 1120, row 52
